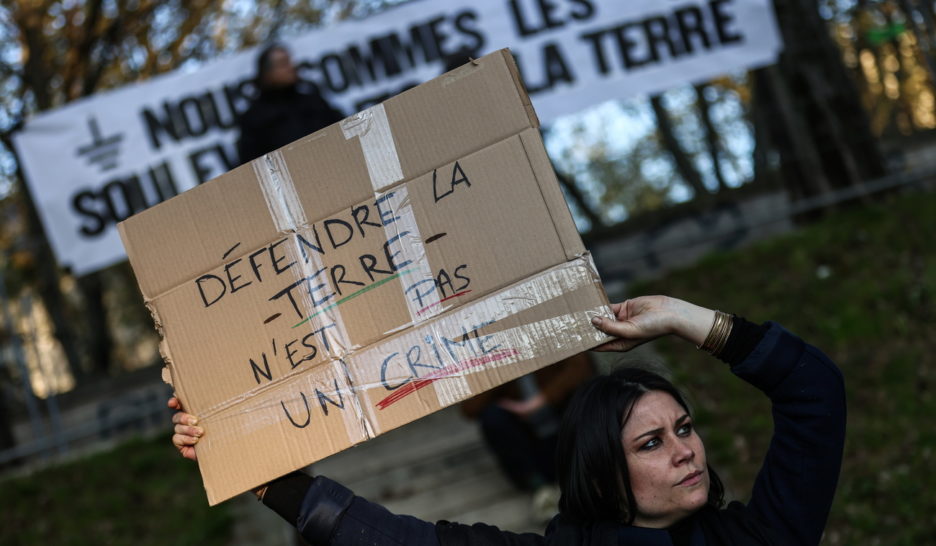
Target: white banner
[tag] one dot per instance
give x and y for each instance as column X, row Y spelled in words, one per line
column 94, row 162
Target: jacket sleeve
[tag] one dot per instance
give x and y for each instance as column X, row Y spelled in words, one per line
column 794, row 489
column 327, row 513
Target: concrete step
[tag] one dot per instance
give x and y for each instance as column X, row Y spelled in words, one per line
column 430, row 473
column 434, row 468
column 435, row 435
column 451, row 501
column 509, row 512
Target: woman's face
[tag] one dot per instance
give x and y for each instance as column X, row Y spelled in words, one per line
column 280, row 72
column 665, row 461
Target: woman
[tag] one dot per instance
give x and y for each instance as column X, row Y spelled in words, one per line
column 632, row 468
column 285, row 109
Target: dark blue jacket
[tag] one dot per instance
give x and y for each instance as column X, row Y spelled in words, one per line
column 789, row 503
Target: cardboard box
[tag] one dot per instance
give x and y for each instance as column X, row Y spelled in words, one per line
column 385, row 267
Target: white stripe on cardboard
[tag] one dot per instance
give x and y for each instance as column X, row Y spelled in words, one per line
column 418, row 283
column 288, row 214
column 372, row 128
column 531, row 340
column 279, row 192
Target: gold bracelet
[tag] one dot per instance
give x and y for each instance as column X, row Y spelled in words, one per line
column 718, row 334
column 723, row 339
column 716, row 320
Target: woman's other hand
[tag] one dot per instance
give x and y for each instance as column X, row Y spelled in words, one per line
column 643, row 319
column 186, row 434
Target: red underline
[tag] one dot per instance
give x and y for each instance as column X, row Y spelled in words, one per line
column 447, row 371
column 462, row 293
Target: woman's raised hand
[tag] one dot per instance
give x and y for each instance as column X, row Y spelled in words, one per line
column 643, row 319
column 186, row 433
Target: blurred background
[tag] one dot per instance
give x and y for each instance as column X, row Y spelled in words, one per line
column 801, row 191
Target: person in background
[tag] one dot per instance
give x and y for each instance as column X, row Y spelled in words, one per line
column 519, row 422
column 285, row 108
column 632, row 466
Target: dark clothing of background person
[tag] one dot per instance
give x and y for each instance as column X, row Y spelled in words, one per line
column 280, row 116
column 525, row 447
column 789, row 503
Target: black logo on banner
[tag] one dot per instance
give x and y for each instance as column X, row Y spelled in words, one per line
column 102, row 150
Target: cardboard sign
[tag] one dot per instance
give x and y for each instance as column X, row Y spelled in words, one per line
column 407, row 258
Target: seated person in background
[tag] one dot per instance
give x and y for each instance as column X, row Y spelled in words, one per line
column 520, row 425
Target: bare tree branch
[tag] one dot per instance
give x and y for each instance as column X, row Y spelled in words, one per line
column 681, row 159
column 711, row 135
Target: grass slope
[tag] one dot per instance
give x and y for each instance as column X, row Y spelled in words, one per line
column 861, row 285
column 140, row 493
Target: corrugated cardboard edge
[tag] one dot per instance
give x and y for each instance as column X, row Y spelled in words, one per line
column 164, row 352
column 521, row 88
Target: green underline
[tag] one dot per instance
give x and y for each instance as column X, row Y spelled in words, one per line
column 352, row 296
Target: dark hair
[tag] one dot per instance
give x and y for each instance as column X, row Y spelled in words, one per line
column 263, row 62
column 593, row 474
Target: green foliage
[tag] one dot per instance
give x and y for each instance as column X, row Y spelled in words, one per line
column 860, row 285
column 140, row 493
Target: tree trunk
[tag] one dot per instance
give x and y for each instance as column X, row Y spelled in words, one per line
column 47, row 277
column 822, row 112
column 929, row 22
column 924, row 45
column 903, row 101
column 711, row 135
column 99, row 341
column 37, row 76
column 684, row 165
column 7, row 440
column 822, row 96
column 861, row 44
column 759, row 114
column 801, row 165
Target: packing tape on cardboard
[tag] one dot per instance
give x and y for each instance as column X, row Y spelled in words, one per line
column 522, row 343
column 419, row 286
column 279, row 192
column 436, row 350
column 517, row 344
column 288, row 214
column 298, row 399
column 293, row 398
column 372, row 128
column 323, row 316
